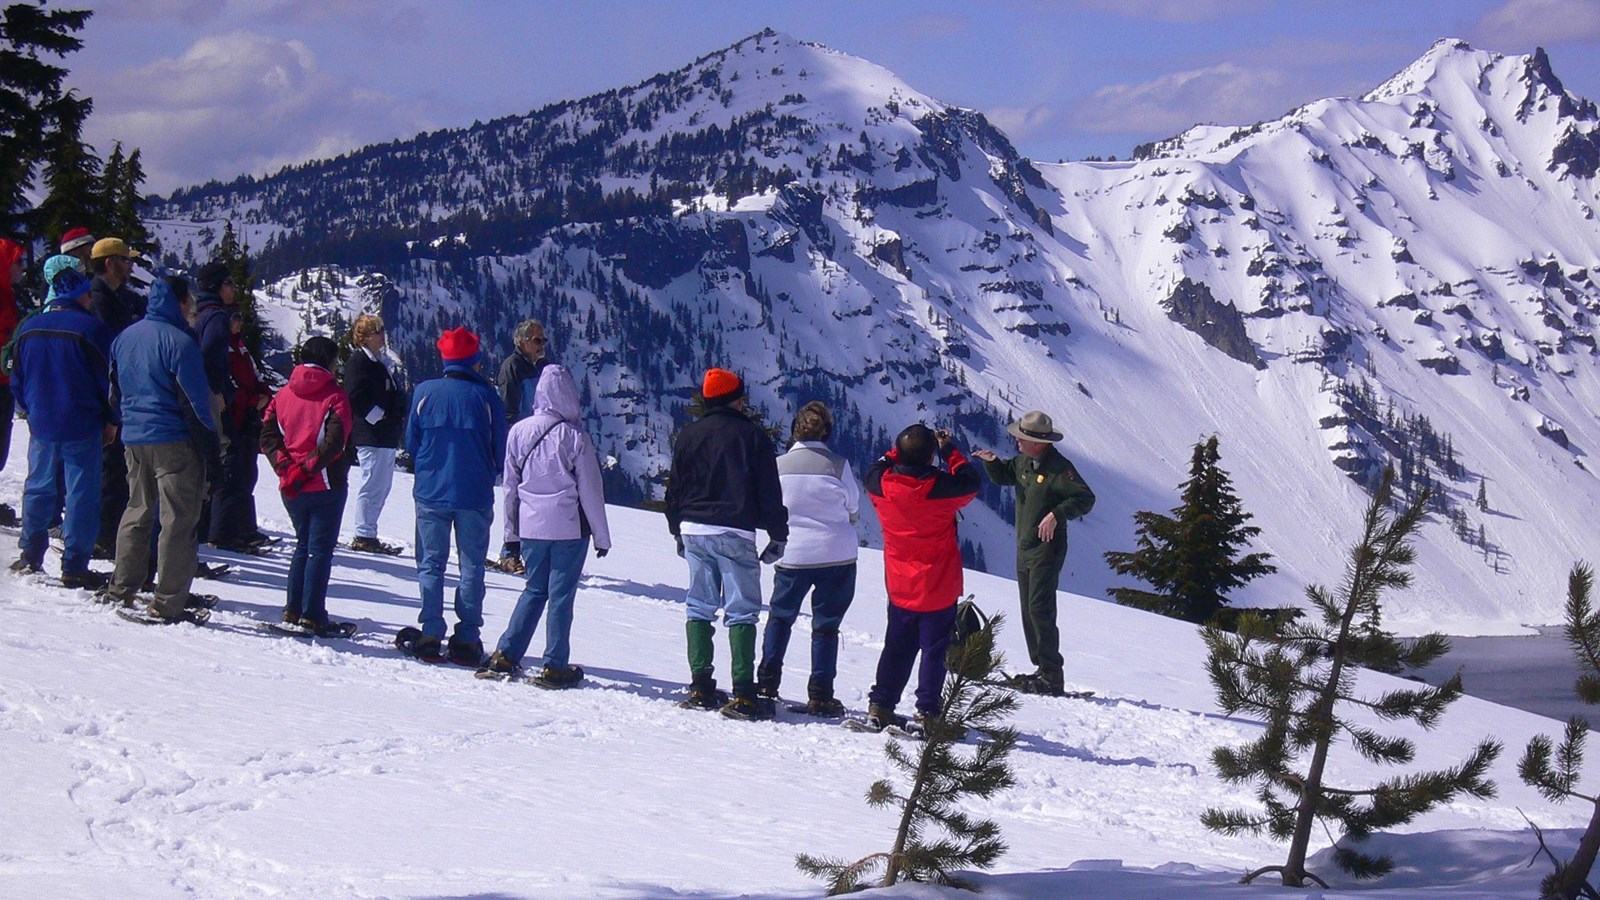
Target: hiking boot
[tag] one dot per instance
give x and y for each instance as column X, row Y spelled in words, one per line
column 291, row 619
column 880, row 717
column 429, row 649
column 744, row 708
column 329, row 628
column 24, row 566
column 373, row 545
column 564, row 677
column 87, row 580
column 1042, row 685
column 829, row 708
column 767, row 690
column 499, row 667
column 466, row 653
column 110, row 598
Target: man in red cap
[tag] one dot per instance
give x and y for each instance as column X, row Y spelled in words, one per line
column 724, row 485
column 456, row 435
column 78, row 243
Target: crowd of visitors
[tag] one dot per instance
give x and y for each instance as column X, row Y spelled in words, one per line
column 147, row 416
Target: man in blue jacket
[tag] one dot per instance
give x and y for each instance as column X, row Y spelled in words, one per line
column 60, row 381
column 456, row 435
column 158, row 384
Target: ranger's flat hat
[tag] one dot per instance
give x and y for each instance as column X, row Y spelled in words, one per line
column 1035, row 426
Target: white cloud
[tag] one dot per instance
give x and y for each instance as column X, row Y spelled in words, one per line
column 238, row 102
column 1223, row 94
column 1175, row 10
column 1518, row 25
column 1019, row 122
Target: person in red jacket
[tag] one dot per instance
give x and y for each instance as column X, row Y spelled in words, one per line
column 250, row 398
column 306, row 437
column 916, row 503
column 12, row 267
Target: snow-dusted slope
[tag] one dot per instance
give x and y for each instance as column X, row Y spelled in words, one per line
column 147, row 762
column 1408, row 278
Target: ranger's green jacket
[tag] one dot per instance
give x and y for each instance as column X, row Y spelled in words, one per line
column 1054, row 486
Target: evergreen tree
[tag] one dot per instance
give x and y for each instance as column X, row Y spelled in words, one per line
column 31, row 100
column 1190, row 557
column 1483, row 495
column 236, row 256
column 1300, row 681
column 74, row 188
column 939, row 779
column 1555, row 770
column 122, row 186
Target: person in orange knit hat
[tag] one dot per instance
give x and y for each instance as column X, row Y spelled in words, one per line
column 724, row 485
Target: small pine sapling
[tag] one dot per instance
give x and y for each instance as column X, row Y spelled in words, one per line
column 940, row 778
column 1554, row 770
column 1300, row 680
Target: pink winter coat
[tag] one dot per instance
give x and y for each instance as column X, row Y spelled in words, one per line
column 552, row 473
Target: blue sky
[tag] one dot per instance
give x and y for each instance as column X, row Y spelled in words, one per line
column 215, row 88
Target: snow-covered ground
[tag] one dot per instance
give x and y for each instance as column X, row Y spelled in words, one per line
column 225, row 762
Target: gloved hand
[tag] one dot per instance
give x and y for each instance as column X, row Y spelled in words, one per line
column 600, row 552
column 679, row 539
column 773, row 553
column 293, row 480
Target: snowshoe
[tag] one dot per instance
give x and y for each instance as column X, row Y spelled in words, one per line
column 498, row 668
column 106, row 597
column 149, row 616
column 747, row 709
column 241, row 546
column 212, row 571
column 511, row 565
column 412, row 642
column 876, row 721
column 373, row 545
column 830, row 708
column 201, row 601
column 306, row 629
column 558, row 679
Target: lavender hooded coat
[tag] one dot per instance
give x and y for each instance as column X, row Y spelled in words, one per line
column 552, row 473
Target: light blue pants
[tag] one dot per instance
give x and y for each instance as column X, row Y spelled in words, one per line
column 377, row 476
column 471, row 527
column 723, row 574
column 553, row 568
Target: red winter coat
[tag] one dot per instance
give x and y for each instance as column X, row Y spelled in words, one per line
column 306, row 434
column 248, row 388
column 10, row 252
column 917, row 507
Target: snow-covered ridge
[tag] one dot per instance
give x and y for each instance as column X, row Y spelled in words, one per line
column 1410, row 278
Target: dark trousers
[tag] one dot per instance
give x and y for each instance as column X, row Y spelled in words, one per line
column 8, row 411
column 1036, row 587
column 832, row 589
column 113, row 495
column 233, row 502
column 908, row 634
column 316, row 516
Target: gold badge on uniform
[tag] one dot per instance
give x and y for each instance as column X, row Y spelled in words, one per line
column 1041, row 479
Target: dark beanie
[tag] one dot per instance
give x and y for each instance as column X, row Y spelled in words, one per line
column 211, row 276
column 320, row 351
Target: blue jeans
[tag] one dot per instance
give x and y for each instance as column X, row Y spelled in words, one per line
column 908, row 634
column 52, row 465
column 433, row 551
column 723, row 574
column 316, row 516
column 832, row 589
column 553, row 568
column 377, row 476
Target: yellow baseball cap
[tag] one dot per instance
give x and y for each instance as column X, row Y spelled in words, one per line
column 108, row 247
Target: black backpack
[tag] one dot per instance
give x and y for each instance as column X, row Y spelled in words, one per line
column 969, row 619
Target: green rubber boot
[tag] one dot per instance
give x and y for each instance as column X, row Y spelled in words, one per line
column 742, row 644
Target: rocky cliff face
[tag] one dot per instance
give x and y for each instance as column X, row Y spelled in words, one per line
column 1406, row 279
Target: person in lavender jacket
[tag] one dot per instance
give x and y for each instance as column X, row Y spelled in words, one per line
column 554, row 503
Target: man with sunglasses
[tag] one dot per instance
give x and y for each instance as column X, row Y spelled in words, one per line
column 114, row 303
column 518, row 382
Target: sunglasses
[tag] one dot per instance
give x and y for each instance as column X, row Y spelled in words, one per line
column 540, row 341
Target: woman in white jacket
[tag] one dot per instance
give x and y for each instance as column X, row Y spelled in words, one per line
column 554, row 503
column 824, row 501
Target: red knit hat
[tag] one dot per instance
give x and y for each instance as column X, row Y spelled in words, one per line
column 458, row 344
column 75, row 238
column 721, row 386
